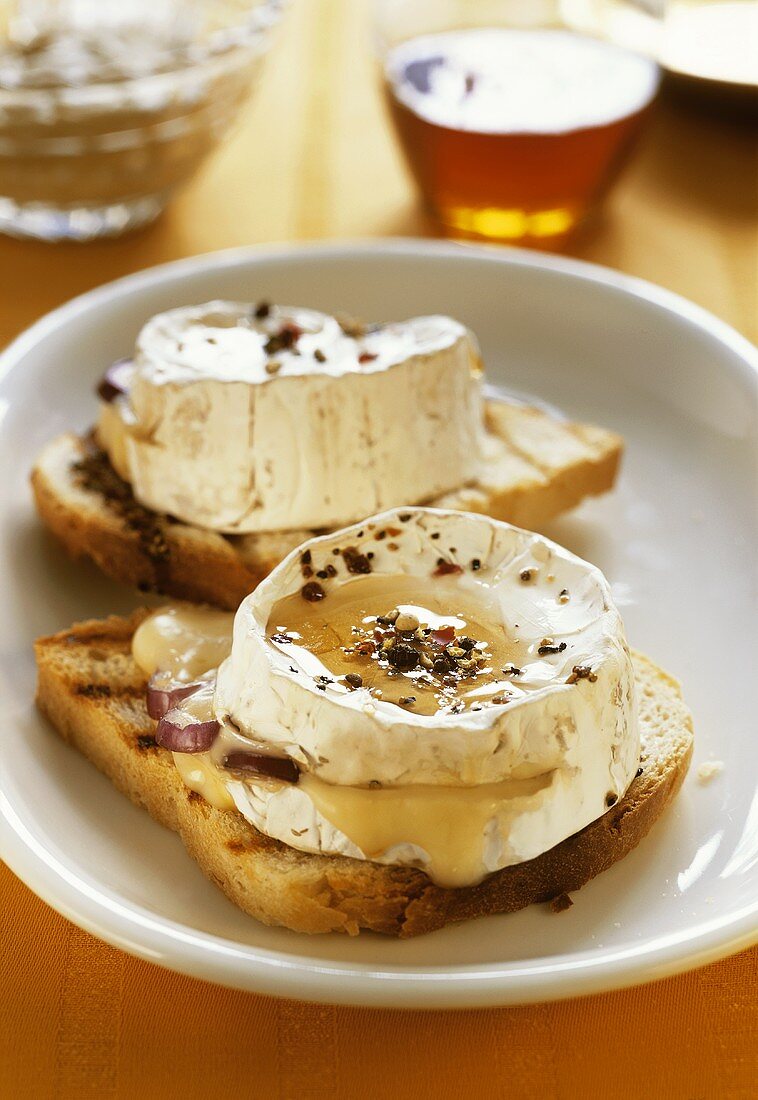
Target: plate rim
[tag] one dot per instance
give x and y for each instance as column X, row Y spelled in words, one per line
column 267, row 972
column 668, row 300
column 161, row 940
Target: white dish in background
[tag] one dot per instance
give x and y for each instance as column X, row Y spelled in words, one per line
column 676, row 539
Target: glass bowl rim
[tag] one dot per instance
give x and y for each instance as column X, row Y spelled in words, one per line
column 255, row 21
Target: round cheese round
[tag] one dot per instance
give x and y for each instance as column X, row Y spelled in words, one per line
column 457, row 693
column 242, row 419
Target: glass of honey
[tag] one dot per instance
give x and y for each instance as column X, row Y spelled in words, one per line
column 513, row 123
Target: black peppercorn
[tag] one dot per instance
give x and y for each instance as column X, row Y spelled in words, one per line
column 312, row 592
column 402, row 657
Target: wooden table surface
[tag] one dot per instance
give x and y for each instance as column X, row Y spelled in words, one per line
column 313, row 157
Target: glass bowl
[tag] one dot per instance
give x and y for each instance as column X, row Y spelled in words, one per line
column 106, row 108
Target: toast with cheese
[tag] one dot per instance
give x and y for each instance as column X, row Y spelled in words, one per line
column 93, row 692
column 537, row 466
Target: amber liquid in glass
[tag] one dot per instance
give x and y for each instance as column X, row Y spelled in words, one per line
column 515, row 135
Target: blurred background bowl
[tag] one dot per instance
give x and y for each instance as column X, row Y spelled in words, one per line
column 106, row 108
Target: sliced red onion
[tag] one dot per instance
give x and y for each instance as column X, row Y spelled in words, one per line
column 164, row 693
column 260, row 763
column 115, row 381
column 180, row 731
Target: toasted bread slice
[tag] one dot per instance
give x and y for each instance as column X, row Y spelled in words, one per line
column 537, row 466
column 93, row 692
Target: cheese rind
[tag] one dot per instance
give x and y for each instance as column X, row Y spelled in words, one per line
column 224, row 429
column 461, row 794
column 351, row 738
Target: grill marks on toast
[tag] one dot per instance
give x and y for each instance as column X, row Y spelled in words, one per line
column 105, row 691
column 309, row 893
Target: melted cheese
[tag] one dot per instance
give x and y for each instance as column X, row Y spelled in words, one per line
column 447, row 823
column 201, row 775
column 185, row 641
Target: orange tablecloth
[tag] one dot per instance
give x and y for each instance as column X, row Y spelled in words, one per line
column 80, row 1019
column 311, row 159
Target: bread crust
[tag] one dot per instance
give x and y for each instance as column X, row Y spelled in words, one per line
column 539, row 466
column 93, row 693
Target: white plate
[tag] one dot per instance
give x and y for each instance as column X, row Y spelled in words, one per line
column 676, row 539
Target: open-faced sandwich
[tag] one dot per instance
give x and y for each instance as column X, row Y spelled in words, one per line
column 236, row 431
column 419, row 719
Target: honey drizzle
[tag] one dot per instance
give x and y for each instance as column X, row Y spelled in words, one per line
column 342, row 635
